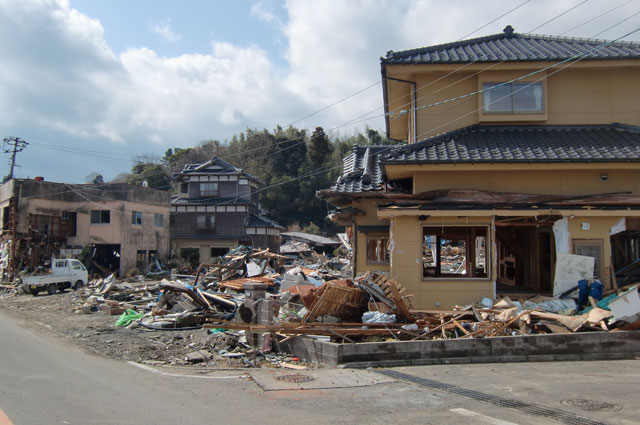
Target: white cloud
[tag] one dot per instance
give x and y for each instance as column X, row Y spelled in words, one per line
column 261, row 11
column 61, row 81
column 164, row 30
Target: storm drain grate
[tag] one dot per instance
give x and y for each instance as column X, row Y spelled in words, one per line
column 295, row 378
column 591, row 405
column 532, row 409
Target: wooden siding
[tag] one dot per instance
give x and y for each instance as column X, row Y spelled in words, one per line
column 227, row 225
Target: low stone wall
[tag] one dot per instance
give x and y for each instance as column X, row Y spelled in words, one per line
column 554, row 347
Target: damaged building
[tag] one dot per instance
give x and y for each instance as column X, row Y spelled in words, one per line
column 514, row 151
column 112, row 228
column 215, row 210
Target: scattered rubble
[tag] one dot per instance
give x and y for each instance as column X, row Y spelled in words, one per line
column 238, row 312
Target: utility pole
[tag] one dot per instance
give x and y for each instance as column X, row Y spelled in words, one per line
column 18, row 146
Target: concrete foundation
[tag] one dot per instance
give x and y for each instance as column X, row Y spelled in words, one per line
column 555, row 347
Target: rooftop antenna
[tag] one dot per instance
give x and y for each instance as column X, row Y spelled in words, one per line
column 13, row 145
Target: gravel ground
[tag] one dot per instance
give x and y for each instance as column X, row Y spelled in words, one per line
column 63, row 315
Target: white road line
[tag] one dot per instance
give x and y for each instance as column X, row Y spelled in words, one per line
column 480, row 416
column 178, row 375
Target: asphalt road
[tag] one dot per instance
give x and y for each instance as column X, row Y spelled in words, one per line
column 46, row 380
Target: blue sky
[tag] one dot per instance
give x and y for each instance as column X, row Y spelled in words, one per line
column 92, row 84
column 172, row 28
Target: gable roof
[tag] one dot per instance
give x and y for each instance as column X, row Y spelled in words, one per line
column 215, row 166
column 510, row 46
column 524, row 144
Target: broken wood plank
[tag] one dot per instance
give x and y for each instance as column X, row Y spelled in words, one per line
column 455, row 322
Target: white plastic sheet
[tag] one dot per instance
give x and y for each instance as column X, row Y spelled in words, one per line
column 562, row 236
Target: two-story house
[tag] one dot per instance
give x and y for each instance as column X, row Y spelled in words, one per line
column 113, row 227
column 216, row 209
column 517, row 148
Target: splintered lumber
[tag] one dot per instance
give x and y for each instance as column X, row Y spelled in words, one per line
column 573, row 323
column 338, row 301
column 334, row 329
column 198, row 299
column 238, row 284
column 376, row 292
column 393, row 291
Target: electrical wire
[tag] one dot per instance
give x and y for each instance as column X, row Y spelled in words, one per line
column 557, row 16
column 574, row 59
column 447, row 100
column 599, row 16
column 470, row 63
column 72, row 150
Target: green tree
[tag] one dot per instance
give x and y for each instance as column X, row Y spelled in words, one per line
column 319, row 150
column 156, row 176
column 95, row 178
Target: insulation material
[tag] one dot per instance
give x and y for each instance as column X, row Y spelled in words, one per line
column 619, row 227
column 626, row 306
column 562, row 236
column 569, row 270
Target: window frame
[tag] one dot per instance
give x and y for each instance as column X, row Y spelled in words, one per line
column 384, row 237
column 511, row 85
column 102, row 214
column 158, row 219
column 448, row 232
column 136, row 218
column 209, row 193
column 209, row 221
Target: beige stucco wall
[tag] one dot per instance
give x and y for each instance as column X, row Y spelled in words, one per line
column 406, row 266
column 596, row 92
column 120, row 230
column 370, row 218
column 522, row 179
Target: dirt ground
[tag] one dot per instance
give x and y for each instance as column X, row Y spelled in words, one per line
column 63, row 315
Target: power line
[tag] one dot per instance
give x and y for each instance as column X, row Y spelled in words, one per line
column 355, row 121
column 599, row 16
column 568, row 63
column 115, row 156
column 575, row 59
column 302, row 137
column 557, row 16
column 624, row 20
column 492, row 21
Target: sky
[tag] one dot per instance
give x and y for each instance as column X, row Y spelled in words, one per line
column 93, row 85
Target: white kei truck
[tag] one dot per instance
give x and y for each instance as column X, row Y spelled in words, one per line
column 65, row 273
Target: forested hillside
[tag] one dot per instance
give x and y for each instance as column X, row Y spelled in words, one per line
column 292, row 164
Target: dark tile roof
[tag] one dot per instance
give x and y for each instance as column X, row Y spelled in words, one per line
column 522, row 144
column 175, row 200
column 361, row 170
column 215, row 166
column 256, row 220
column 512, row 47
column 363, row 173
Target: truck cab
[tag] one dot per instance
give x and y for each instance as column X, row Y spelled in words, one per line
column 65, row 273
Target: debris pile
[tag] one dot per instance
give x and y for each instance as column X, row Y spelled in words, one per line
column 250, row 304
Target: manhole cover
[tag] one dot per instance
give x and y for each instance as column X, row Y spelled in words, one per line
column 295, row 378
column 591, row 405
